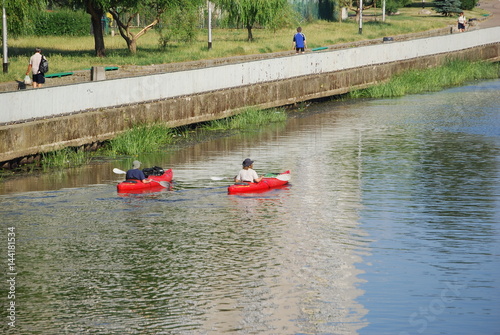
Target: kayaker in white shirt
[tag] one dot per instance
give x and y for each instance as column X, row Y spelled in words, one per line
column 247, row 174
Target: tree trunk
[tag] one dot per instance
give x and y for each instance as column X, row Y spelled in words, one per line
column 250, row 35
column 132, row 45
column 95, row 17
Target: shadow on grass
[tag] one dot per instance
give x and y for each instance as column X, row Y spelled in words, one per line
column 142, row 52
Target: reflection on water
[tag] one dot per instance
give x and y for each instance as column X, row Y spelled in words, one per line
column 389, row 225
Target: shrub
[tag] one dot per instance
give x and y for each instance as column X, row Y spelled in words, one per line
column 447, row 7
column 468, row 4
column 62, row 23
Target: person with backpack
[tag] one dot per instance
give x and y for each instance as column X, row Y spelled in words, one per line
column 36, row 66
column 299, row 41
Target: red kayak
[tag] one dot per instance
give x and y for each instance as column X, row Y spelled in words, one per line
column 137, row 185
column 267, row 183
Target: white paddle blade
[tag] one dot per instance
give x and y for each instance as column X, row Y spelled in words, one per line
column 217, row 178
column 165, row 184
column 284, row 177
column 118, row 171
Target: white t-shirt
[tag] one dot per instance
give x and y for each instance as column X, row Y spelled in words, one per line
column 247, row 175
column 35, row 62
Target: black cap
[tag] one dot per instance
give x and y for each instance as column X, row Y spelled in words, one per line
column 247, row 162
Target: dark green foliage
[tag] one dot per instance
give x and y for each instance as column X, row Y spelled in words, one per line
column 251, row 13
column 62, row 23
column 392, row 6
column 468, row 4
column 308, row 10
column 326, row 9
column 447, row 7
column 21, row 15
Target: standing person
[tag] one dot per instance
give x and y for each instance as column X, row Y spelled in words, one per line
column 247, row 173
column 136, row 174
column 461, row 22
column 34, row 64
column 299, row 41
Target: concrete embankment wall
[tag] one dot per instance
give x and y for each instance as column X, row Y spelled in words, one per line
column 79, row 114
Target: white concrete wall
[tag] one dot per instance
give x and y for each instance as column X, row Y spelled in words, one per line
column 36, row 103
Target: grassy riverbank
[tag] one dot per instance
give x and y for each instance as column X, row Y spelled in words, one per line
column 453, row 73
column 77, row 53
column 151, row 138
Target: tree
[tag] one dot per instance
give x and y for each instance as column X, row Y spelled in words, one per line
column 20, row 14
column 355, row 6
column 179, row 23
column 251, row 12
column 468, row 4
column 326, row 9
column 125, row 12
column 96, row 9
column 447, row 7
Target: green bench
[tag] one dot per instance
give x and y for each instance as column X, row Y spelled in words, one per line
column 320, row 48
column 108, row 68
column 63, row 74
column 58, row 75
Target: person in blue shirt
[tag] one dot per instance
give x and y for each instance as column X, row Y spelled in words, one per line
column 136, row 174
column 299, row 41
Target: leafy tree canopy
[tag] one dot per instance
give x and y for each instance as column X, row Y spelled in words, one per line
column 252, row 12
column 125, row 11
column 20, row 15
column 447, row 7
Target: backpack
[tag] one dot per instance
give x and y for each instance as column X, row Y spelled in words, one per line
column 154, row 171
column 44, row 65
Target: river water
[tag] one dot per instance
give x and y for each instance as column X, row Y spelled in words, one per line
column 390, row 225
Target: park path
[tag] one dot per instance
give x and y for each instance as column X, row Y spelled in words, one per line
column 492, row 6
column 493, row 20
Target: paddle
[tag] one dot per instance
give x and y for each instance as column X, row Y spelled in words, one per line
column 118, row 171
column 162, row 183
column 221, row 178
column 283, row 177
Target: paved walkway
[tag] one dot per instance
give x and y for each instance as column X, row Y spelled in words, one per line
column 493, row 20
column 492, row 6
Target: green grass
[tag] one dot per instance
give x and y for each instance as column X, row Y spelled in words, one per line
column 139, row 139
column 453, row 73
column 77, row 53
column 155, row 137
column 250, row 118
column 64, row 158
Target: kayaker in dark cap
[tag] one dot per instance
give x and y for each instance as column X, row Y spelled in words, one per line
column 247, row 174
column 136, row 174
